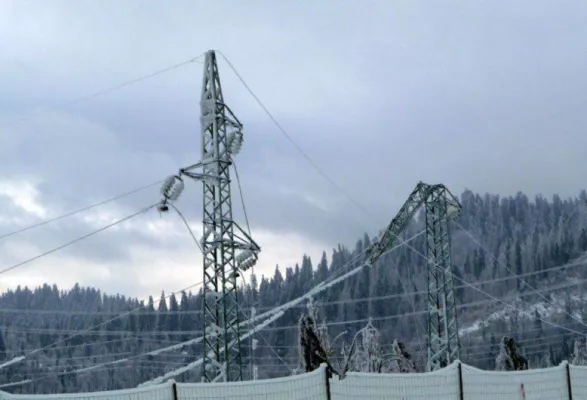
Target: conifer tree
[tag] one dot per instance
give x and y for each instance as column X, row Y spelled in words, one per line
column 508, row 358
column 579, row 356
column 400, row 360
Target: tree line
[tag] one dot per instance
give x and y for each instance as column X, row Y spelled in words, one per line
column 533, row 238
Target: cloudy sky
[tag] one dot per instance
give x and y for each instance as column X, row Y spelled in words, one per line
column 380, row 94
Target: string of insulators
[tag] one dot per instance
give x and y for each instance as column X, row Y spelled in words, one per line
column 235, row 141
column 167, row 185
column 246, row 260
column 172, row 188
column 247, row 264
column 241, row 257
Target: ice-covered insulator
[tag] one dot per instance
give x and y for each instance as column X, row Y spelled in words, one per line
column 244, row 255
column 235, row 141
column 167, row 185
column 250, row 263
column 172, row 187
column 176, row 190
column 247, row 264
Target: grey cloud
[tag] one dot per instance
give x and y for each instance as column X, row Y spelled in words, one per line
column 380, row 97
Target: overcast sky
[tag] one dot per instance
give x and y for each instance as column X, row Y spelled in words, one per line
column 485, row 95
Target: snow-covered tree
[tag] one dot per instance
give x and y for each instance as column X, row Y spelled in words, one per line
column 400, row 360
column 547, row 359
column 579, row 352
column 367, row 353
column 315, row 345
column 508, row 358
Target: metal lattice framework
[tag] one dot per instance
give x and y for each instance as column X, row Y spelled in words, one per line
column 440, row 207
column 227, row 249
column 443, row 334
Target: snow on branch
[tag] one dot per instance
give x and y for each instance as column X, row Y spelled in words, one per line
column 314, row 345
column 508, row 358
column 400, row 360
column 365, row 354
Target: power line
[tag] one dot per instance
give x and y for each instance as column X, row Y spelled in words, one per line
column 475, row 346
column 321, row 172
column 87, row 332
column 253, row 300
column 108, row 321
column 513, row 273
column 77, row 240
column 187, row 225
column 272, row 315
column 105, row 364
column 240, row 191
column 334, row 302
column 86, row 208
column 18, row 359
column 100, row 343
column 515, row 308
column 292, row 141
column 21, row 358
column 278, row 311
column 333, row 323
column 419, row 325
column 110, row 89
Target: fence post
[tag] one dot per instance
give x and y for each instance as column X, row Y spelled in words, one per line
column 460, row 372
column 174, row 390
column 569, row 387
column 327, row 382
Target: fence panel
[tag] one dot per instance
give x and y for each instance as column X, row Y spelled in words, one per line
column 535, row 384
column 310, row 386
column 159, row 392
column 578, row 381
column 438, row 385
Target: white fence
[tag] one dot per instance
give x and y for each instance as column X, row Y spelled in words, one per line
column 456, row 382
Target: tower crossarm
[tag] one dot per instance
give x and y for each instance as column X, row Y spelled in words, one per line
column 440, row 208
column 399, row 223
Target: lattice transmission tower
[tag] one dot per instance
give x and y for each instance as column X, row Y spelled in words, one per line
column 443, row 333
column 440, row 206
column 227, row 249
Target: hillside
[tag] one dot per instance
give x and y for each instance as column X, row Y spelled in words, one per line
column 543, row 240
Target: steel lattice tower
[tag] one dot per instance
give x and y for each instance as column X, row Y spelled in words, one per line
column 227, row 249
column 443, row 336
column 440, row 206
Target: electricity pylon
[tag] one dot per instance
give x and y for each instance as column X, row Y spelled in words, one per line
column 443, row 333
column 440, row 207
column 228, row 250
